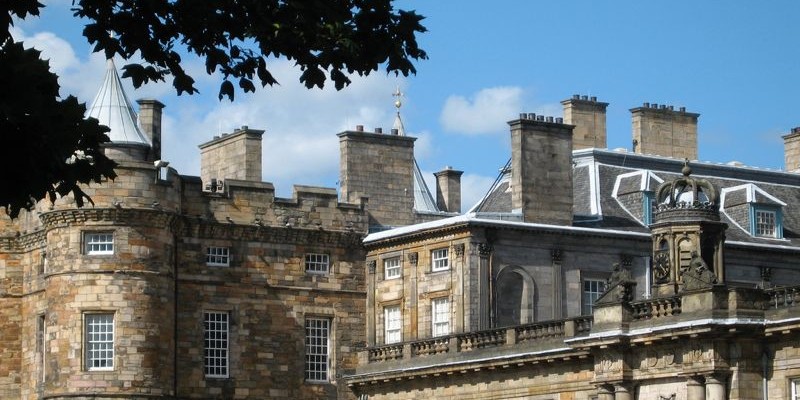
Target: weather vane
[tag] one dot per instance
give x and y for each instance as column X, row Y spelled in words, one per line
column 397, row 94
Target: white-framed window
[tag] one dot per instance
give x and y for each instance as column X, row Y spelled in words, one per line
column 99, row 341
column 317, row 263
column 393, row 323
column 318, row 331
column 98, row 243
column 765, row 223
column 440, row 260
column 440, row 316
column 795, row 388
column 592, row 289
column 391, row 268
column 215, row 344
column 218, row 256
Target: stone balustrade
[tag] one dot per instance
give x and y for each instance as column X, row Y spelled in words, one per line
column 485, row 339
column 656, row 308
column 783, row 297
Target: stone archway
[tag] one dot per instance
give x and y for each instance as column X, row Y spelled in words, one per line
column 515, row 297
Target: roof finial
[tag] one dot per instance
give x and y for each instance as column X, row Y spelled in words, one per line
column 398, row 94
column 686, row 170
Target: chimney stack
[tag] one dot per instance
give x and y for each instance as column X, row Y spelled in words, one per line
column 541, row 169
column 150, row 112
column 381, row 168
column 791, row 150
column 662, row 131
column 448, row 190
column 233, row 156
column 589, row 117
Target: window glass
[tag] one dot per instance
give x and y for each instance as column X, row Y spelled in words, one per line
column 99, row 243
column 317, row 349
column 391, row 268
column 393, row 321
column 439, row 260
column 317, row 263
column 215, row 344
column 99, row 343
column 440, row 316
column 592, row 289
column 218, row 256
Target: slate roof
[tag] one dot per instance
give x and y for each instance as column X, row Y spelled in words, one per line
column 423, row 200
column 608, row 186
column 113, row 109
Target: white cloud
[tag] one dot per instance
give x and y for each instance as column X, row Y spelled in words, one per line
column 300, row 145
column 485, row 112
column 473, row 188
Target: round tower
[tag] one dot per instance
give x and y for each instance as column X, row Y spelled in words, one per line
column 687, row 230
column 109, row 281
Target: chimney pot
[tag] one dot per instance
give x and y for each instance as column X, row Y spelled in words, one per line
column 540, row 117
column 671, row 108
column 796, row 129
column 523, row 115
column 244, row 127
column 560, row 120
column 395, row 131
column 682, row 109
column 663, row 106
column 593, row 98
column 549, row 119
column 215, row 137
column 576, row 97
column 532, row 116
column 646, row 105
column 584, row 97
column 654, row 105
column 359, row 128
column 378, row 130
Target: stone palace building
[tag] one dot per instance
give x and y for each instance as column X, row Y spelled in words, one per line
column 584, row 273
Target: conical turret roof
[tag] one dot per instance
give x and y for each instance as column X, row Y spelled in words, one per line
column 113, row 109
column 423, row 200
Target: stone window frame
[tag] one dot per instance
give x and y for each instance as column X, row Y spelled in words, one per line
column 587, row 302
column 776, row 223
column 398, row 269
column 440, row 262
column 213, row 344
column 41, row 344
column 89, row 340
column 218, row 256
column 794, row 387
column 314, row 358
column 435, row 323
column 317, row 263
column 89, row 242
column 386, row 326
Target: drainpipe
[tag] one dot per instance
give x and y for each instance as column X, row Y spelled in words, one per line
column 175, row 315
column 764, row 371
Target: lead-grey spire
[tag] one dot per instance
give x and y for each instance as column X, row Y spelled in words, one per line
column 113, row 109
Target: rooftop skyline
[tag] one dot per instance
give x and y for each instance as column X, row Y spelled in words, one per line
column 732, row 62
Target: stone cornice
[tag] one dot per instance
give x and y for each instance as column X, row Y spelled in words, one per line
column 270, row 234
column 23, row 242
column 129, row 216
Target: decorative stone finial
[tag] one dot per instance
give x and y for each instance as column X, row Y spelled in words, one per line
column 686, row 170
column 397, row 94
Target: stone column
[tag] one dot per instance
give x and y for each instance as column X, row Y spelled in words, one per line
column 695, row 390
column 623, row 391
column 605, row 392
column 715, row 388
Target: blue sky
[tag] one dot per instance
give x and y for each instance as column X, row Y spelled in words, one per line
column 734, row 62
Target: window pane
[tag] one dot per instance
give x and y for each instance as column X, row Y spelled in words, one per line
column 765, row 223
column 218, row 256
column 592, row 289
column 391, row 268
column 393, row 322
column 317, row 263
column 440, row 316
column 99, row 243
column 215, row 347
column 439, row 260
column 317, row 348
column 99, row 341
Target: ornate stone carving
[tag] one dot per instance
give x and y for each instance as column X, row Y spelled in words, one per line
column 484, row 249
column 619, row 286
column 413, row 258
column 458, row 249
column 555, row 255
column 698, row 275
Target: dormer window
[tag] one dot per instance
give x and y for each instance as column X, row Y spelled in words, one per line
column 766, row 221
